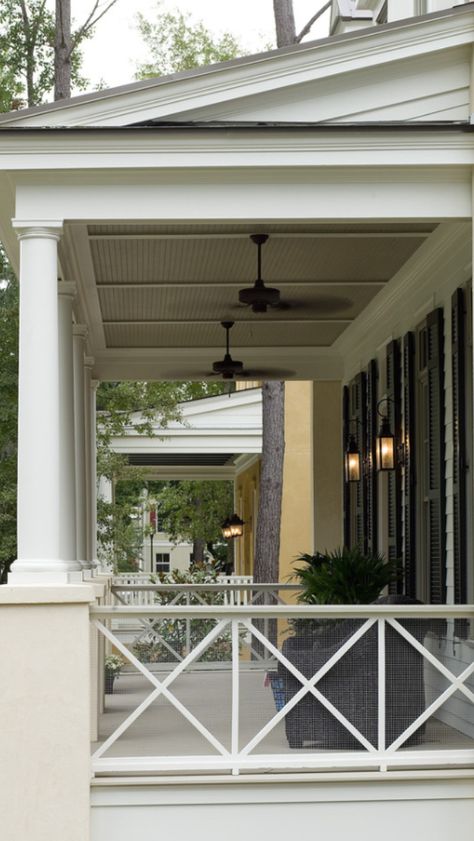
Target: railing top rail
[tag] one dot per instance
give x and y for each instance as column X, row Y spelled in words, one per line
column 287, row 611
column 202, row 588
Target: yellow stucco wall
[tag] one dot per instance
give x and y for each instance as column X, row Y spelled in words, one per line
column 311, row 515
column 247, row 485
column 297, row 514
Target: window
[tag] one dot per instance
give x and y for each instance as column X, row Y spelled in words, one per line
column 162, row 562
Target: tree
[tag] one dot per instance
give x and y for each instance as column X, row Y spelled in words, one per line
column 39, row 51
column 177, row 43
column 142, row 406
column 195, row 511
column 267, row 544
column 66, row 42
column 285, row 22
column 8, row 414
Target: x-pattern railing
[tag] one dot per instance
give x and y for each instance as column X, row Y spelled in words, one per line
column 250, row 619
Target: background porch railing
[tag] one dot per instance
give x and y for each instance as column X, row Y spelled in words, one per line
column 241, row 688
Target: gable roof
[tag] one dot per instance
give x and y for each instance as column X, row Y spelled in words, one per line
column 312, row 82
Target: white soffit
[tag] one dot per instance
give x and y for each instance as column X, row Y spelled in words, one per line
column 418, row 69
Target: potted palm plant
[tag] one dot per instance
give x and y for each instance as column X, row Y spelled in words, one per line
column 343, row 577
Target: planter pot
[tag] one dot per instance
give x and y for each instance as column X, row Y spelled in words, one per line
column 109, row 683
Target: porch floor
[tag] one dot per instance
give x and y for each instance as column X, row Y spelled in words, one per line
column 161, row 730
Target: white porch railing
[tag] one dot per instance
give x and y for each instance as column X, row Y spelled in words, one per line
column 140, row 588
column 349, row 688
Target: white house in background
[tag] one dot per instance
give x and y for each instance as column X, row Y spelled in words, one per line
column 355, row 154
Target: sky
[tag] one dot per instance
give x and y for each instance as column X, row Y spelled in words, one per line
column 112, row 54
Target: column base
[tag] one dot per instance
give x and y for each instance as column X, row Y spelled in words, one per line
column 41, row 577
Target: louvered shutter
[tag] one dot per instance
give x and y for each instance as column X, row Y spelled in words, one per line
column 436, row 465
column 409, row 481
column 394, row 498
column 346, row 485
column 371, row 484
column 458, row 336
column 358, row 536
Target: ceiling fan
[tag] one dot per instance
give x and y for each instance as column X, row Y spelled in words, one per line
column 260, row 297
column 229, row 368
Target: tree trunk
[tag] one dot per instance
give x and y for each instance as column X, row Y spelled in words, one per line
column 62, row 50
column 266, row 566
column 198, row 551
column 284, row 22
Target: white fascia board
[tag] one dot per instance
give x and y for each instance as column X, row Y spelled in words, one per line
column 311, row 363
column 44, row 158
column 330, row 57
column 231, row 444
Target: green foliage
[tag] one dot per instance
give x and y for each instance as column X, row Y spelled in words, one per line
column 27, row 54
column 177, row 43
column 194, row 510
column 141, row 407
column 8, row 413
column 345, row 576
column 177, row 633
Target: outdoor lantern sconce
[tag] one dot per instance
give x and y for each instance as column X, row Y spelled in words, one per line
column 352, row 461
column 233, row 527
column 385, row 442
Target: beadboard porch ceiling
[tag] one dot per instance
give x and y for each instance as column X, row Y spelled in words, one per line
column 165, row 288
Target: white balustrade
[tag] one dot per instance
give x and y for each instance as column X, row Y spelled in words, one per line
column 249, row 692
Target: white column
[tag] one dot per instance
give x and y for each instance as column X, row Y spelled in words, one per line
column 38, row 412
column 67, row 463
column 91, row 455
column 79, row 340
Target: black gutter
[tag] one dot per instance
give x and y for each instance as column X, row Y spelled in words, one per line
column 156, row 126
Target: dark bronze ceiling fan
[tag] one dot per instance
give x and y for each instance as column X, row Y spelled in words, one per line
column 261, row 297
column 229, row 368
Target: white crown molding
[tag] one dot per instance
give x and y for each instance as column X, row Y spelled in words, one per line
column 354, row 147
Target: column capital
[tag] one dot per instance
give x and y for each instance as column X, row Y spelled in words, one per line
column 38, row 228
column 89, row 362
column 94, row 384
column 80, row 330
column 67, row 289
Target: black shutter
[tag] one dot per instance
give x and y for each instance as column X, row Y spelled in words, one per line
column 394, row 498
column 436, row 465
column 371, row 484
column 409, row 449
column 458, row 336
column 358, row 495
column 346, row 485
